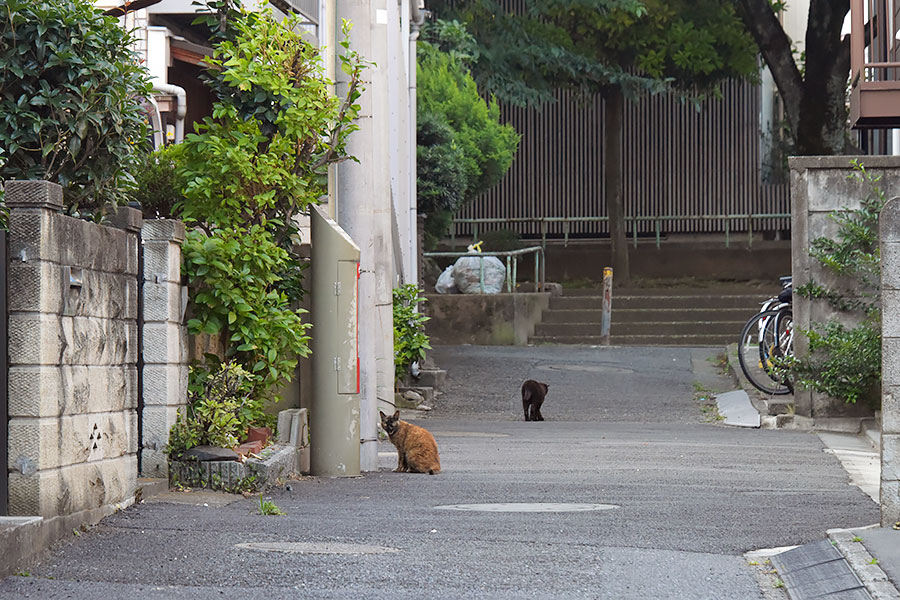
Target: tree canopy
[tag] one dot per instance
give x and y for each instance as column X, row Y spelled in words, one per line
column 620, row 49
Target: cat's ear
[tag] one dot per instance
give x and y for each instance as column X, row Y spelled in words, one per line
column 397, row 415
column 383, row 416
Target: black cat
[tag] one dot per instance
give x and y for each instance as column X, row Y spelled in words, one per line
column 533, row 393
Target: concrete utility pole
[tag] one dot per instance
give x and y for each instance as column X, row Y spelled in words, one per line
column 362, row 207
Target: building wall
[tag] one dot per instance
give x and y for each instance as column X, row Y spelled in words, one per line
column 890, row 363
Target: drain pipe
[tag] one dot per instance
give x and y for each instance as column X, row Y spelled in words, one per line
column 417, row 18
column 181, row 108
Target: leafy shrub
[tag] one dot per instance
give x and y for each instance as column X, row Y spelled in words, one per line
column 70, row 93
column 410, row 340
column 221, row 407
column 260, row 160
column 845, row 362
column 158, row 184
column 233, row 274
column 459, row 134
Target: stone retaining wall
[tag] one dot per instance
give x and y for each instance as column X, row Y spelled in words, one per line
column 73, row 302
column 74, row 353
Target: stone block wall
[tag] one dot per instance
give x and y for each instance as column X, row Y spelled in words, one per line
column 73, row 304
column 819, row 186
column 165, row 351
column 890, row 363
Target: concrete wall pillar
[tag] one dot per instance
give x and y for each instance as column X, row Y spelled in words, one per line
column 821, row 185
column 890, row 362
column 72, row 356
column 165, row 351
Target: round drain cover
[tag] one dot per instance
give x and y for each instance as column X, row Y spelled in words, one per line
column 528, row 507
column 316, row 548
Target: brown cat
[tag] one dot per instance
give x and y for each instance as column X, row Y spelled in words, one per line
column 416, row 449
column 533, row 393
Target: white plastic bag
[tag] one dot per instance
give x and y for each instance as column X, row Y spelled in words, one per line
column 467, row 274
column 445, row 283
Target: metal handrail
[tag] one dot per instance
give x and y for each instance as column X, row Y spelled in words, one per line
column 512, row 265
column 658, row 220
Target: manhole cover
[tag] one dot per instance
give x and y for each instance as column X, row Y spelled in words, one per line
column 528, row 507
column 316, row 548
column 589, row 368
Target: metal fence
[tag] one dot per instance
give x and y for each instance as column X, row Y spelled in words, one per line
column 685, row 170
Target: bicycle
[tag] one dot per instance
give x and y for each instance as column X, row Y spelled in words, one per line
column 767, row 338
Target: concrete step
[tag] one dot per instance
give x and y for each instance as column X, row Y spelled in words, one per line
column 636, row 340
column 433, row 378
column 659, row 328
column 643, row 315
column 749, row 302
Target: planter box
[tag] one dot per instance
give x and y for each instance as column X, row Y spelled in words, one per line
column 231, row 476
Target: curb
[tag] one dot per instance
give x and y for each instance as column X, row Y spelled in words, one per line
column 863, row 564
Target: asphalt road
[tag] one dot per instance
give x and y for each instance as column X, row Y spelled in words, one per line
column 681, row 501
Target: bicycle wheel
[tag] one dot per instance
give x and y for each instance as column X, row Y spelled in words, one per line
column 760, row 346
column 777, row 342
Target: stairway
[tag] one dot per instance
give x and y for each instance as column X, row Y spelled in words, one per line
column 665, row 316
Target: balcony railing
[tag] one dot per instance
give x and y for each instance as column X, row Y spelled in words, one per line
column 874, row 63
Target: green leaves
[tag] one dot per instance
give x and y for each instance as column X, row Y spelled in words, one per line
column 70, row 94
column 463, row 149
column 410, row 341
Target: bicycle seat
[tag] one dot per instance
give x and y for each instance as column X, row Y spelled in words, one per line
column 786, row 294
column 785, row 280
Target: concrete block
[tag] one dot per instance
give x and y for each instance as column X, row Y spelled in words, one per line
column 284, row 426
column 35, row 287
column 162, row 302
column 890, row 315
column 889, row 222
column 32, row 444
column 165, row 385
column 154, row 463
column 890, row 502
column 164, row 343
column 95, row 341
column 91, row 246
column 162, row 230
column 162, row 261
column 47, row 443
column 97, row 389
column 34, row 391
column 890, row 457
column 101, row 295
column 890, row 408
column 35, row 339
column 158, row 420
column 831, row 189
column 67, row 490
column 30, row 233
column 127, row 218
column 86, row 438
column 33, row 194
column 890, row 265
column 890, row 361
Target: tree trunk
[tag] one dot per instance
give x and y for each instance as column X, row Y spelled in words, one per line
column 613, row 126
